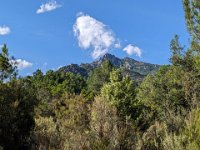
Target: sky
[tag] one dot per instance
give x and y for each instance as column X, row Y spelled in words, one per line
column 48, row 34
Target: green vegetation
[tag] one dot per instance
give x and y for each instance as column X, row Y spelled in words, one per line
column 99, row 106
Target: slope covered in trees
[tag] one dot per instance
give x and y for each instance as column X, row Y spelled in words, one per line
column 99, row 106
column 135, row 69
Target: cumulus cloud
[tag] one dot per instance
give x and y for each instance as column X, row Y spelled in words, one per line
column 47, row 7
column 21, row 64
column 4, row 30
column 93, row 34
column 131, row 49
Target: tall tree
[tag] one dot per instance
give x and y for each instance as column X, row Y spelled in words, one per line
column 192, row 18
column 99, row 77
column 177, row 52
column 7, row 64
column 120, row 91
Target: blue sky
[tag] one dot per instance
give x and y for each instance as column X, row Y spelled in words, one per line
column 77, row 31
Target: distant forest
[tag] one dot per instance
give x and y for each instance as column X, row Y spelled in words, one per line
column 106, row 109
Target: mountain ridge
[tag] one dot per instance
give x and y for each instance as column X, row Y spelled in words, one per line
column 136, row 69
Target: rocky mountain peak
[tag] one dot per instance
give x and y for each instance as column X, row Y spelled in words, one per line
column 112, row 58
column 136, row 69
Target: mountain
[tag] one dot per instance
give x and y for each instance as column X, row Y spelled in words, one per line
column 136, row 69
column 74, row 68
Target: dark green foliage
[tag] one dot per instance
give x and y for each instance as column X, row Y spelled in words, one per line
column 54, row 85
column 75, row 69
column 99, row 77
column 17, row 102
column 7, row 65
column 58, row 83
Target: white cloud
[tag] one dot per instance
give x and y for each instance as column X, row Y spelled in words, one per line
column 47, row 7
column 131, row 49
column 93, row 34
column 21, row 64
column 4, row 30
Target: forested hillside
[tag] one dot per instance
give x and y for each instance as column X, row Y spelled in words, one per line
column 102, row 106
column 135, row 69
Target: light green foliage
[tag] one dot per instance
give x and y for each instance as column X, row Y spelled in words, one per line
column 46, row 133
column 191, row 132
column 108, row 131
column 153, row 138
column 72, row 108
column 188, row 138
column 177, row 52
column 172, row 142
column 120, row 92
column 162, row 88
column 163, row 95
column 192, row 17
column 67, row 127
column 192, row 56
column 103, row 124
column 158, row 137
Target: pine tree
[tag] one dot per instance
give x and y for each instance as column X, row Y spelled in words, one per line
column 7, row 65
column 192, row 17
